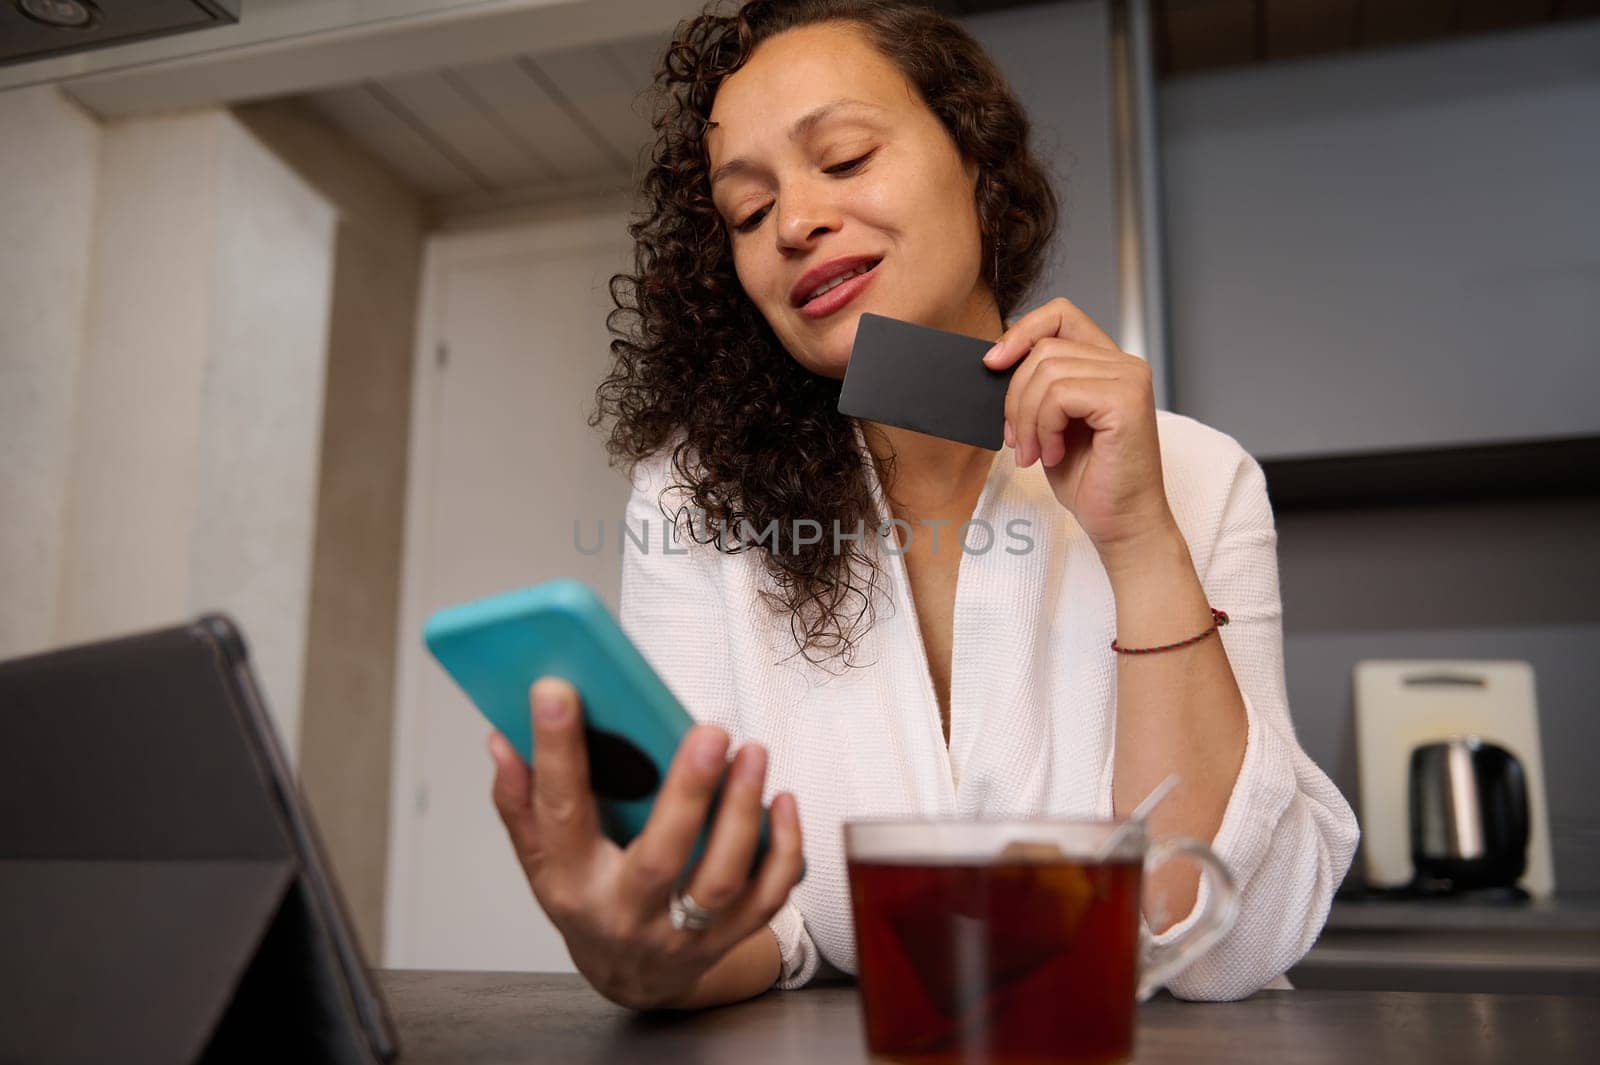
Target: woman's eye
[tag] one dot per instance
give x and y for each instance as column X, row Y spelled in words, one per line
column 845, row 168
column 750, row 223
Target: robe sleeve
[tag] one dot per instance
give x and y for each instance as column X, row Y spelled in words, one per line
column 1287, row 834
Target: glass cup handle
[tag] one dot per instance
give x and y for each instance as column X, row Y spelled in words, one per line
column 1222, row 906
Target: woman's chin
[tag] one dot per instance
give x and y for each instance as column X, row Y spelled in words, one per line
column 832, row 367
column 829, row 355
column 830, row 358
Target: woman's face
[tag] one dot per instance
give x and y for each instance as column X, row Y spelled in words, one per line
column 803, row 180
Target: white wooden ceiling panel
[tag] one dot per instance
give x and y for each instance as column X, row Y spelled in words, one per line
column 469, row 130
column 517, row 93
column 606, row 95
column 639, row 56
column 362, row 114
column 524, row 127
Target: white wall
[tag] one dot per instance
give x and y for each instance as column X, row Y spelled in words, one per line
column 48, row 167
column 131, row 499
column 250, row 546
column 162, row 353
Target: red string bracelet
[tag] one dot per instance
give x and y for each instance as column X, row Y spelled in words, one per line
column 1218, row 619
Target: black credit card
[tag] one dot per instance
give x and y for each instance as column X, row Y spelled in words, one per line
column 934, row 382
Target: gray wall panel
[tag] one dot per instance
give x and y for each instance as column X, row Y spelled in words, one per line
column 1389, row 249
column 1057, row 60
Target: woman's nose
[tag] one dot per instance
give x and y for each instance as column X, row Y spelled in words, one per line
column 801, row 220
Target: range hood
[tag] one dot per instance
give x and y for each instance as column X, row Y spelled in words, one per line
column 39, row 29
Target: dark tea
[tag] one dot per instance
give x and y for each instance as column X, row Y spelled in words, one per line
column 1007, row 962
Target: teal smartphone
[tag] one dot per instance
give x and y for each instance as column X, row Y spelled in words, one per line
column 495, row 649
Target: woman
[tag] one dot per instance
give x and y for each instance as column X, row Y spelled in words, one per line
column 800, row 143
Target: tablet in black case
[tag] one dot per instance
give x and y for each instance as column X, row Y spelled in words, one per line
column 164, row 897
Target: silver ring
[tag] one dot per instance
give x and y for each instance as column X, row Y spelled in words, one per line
column 687, row 914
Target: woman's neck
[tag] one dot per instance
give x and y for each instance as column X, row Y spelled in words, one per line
column 932, row 475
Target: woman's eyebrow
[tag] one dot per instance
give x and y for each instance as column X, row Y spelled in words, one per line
column 803, row 125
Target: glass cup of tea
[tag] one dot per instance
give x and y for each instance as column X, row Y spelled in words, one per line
column 1013, row 941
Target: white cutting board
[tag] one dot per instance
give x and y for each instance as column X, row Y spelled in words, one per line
column 1401, row 705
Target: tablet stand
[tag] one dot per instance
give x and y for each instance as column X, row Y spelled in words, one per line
column 160, row 897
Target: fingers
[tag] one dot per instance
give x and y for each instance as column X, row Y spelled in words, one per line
column 779, row 873
column 725, row 867
column 1038, row 379
column 1058, row 318
column 654, row 861
column 513, row 779
column 513, row 800
column 563, row 807
column 1065, row 400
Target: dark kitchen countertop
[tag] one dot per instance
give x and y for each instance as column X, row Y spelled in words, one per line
column 466, row 1018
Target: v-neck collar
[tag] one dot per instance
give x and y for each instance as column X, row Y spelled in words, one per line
column 999, row 468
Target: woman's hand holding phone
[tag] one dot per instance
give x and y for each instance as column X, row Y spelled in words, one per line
column 611, row 904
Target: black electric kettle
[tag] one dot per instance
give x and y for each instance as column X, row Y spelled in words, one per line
column 1469, row 816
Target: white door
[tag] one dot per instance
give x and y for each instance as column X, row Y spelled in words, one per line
column 512, row 344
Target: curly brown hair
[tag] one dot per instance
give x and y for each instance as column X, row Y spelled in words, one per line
column 756, row 438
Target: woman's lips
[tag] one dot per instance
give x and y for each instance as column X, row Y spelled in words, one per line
column 839, row 295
